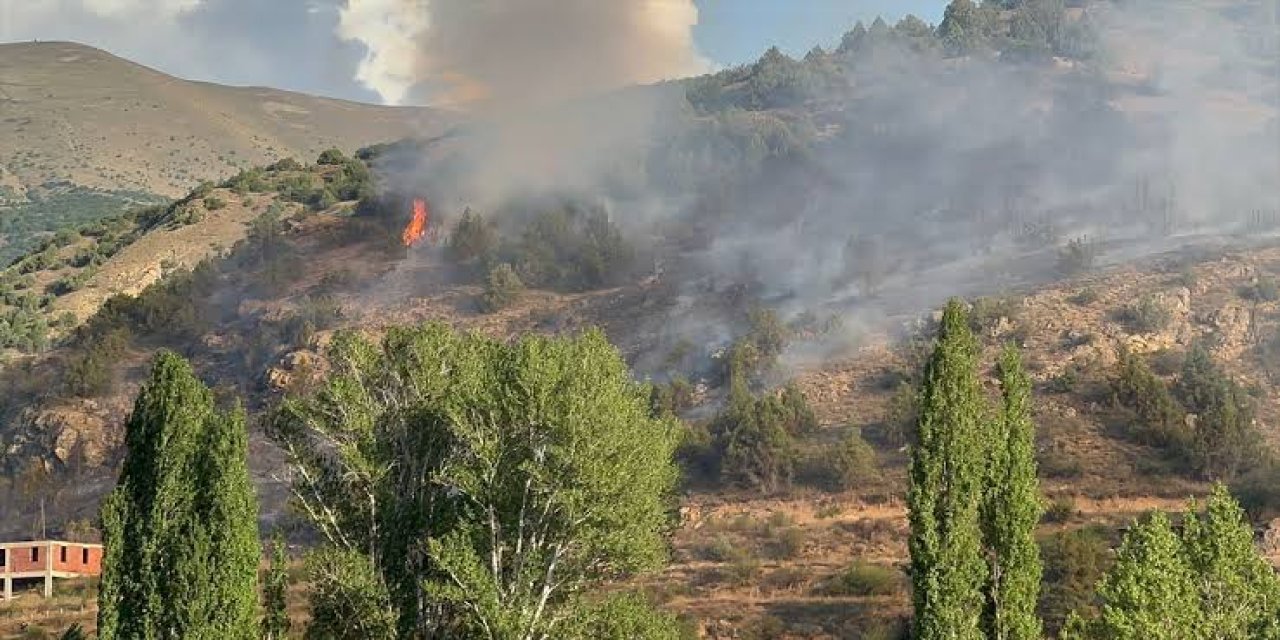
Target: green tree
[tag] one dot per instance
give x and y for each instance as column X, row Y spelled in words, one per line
column 1225, row 438
column 275, row 594
column 758, row 453
column 1151, row 592
column 1011, row 510
column 226, row 531
column 967, row 27
column 348, row 598
column 947, row 566
column 501, row 288
column 473, row 240
column 180, row 527
column 490, row 485
column 1239, row 590
column 625, row 616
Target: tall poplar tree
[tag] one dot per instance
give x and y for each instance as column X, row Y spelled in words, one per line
column 227, row 510
column 1150, row 593
column 180, row 527
column 1011, row 511
column 1239, row 590
column 947, row 566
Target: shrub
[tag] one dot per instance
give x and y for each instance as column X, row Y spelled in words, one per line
column 699, row 453
column 287, row 164
column 1074, row 561
column 1065, row 382
column 1159, row 419
column 743, row 569
column 1259, row 491
column 1264, row 289
column 1056, row 462
column 571, row 249
column 91, row 371
column 672, row 398
column 842, row 466
column 786, row 544
column 755, row 444
column 1059, row 510
column 501, row 289
column 1077, row 257
column 903, row 412
column 865, row 579
column 1147, row 315
column 331, row 157
column 721, row 549
column 314, row 313
column 473, row 240
column 1225, row 439
column 767, row 333
column 985, row 313
column 214, row 203
column 348, row 597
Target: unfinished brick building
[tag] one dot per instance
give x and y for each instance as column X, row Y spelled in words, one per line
column 47, row 560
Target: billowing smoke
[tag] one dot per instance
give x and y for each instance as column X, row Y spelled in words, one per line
column 390, row 31
column 873, row 182
column 462, row 52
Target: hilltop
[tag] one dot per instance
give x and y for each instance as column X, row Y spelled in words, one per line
column 83, row 131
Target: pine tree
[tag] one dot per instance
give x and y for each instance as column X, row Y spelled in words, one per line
column 1011, row 511
column 1150, row 593
column 947, row 567
column 1239, row 591
column 275, row 591
column 180, row 528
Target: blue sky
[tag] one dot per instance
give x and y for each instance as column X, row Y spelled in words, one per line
column 736, row 31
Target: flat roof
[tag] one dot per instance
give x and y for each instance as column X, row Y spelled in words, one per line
column 45, row 543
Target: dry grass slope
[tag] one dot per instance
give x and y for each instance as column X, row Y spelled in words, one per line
column 73, row 113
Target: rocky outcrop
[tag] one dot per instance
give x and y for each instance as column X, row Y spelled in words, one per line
column 73, row 434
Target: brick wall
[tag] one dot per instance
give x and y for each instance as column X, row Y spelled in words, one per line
column 75, row 558
column 27, row 558
column 67, row 557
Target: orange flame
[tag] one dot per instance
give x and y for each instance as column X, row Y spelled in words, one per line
column 418, row 226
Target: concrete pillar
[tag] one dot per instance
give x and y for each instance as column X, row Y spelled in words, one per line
column 48, row 571
column 8, row 588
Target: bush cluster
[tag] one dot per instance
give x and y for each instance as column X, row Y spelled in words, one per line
column 1210, row 425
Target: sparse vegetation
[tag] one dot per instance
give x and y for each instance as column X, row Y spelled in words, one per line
column 865, row 579
column 1149, row 314
column 1264, row 289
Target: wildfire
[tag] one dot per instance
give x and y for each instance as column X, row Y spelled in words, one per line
column 417, row 227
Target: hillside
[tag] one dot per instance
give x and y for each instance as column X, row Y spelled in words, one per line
column 743, row 560
column 83, row 131
column 793, row 222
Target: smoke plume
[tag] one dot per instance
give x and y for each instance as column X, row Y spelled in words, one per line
column 390, row 31
column 463, row 52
